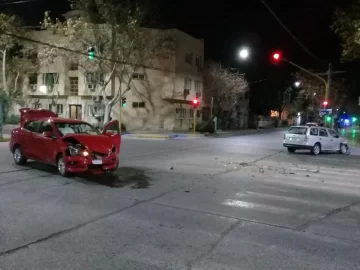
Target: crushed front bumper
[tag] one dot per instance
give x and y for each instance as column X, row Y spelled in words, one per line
column 81, row 164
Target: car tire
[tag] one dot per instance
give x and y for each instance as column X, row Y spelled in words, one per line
column 316, row 150
column 291, row 149
column 18, row 156
column 343, row 149
column 61, row 166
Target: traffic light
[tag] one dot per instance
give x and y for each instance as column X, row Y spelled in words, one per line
column 195, row 103
column 325, row 103
column 277, row 56
column 328, row 118
column 91, row 52
column 354, row 119
column 123, row 102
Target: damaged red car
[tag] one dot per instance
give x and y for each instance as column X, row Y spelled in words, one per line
column 73, row 146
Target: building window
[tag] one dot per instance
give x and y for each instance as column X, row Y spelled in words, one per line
column 94, row 77
column 187, row 84
column 180, row 113
column 33, row 78
column 73, row 66
column 197, row 86
column 191, row 114
column 96, row 110
column 138, row 104
column 188, row 58
column 50, row 79
column 59, row 108
column 74, row 86
column 36, row 106
column 137, row 76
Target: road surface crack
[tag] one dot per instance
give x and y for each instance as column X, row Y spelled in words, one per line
column 331, row 213
column 82, row 225
column 214, row 245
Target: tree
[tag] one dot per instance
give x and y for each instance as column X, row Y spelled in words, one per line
column 17, row 59
column 347, row 27
column 121, row 47
column 312, row 93
column 224, row 86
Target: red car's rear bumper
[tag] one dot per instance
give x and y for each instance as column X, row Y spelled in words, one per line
column 80, row 164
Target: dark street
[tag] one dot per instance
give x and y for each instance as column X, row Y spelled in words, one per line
column 239, row 202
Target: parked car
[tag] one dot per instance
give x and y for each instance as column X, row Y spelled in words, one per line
column 73, row 146
column 315, row 139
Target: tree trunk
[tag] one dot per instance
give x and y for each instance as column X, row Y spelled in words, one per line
column 4, row 71
column 107, row 111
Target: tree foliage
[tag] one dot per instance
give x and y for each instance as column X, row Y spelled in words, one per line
column 17, row 59
column 225, row 86
column 122, row 46
column 347, row 27
column 313, row 90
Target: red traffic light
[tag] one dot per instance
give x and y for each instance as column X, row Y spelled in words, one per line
column 325, row 103
column 276, row 56
column 195, row 103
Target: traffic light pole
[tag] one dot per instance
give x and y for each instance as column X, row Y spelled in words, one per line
column 194, row 120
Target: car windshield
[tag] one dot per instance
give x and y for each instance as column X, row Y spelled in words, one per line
column 76, row 128
column 297, row 130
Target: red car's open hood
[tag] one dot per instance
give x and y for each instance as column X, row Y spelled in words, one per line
column 96, row 143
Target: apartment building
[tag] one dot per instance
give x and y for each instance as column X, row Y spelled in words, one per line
column 159, row 100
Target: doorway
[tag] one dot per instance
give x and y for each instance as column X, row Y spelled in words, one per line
column 75, row 112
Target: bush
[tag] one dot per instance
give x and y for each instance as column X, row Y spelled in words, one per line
column 204, row 127
column 13, row 120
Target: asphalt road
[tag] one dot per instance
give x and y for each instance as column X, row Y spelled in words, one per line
column 213, row 203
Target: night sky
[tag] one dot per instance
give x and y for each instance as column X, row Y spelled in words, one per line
column 229, row 24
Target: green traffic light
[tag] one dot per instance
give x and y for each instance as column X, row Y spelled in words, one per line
column 91, row 55
column 328, row 119
column 124, row 105
column 354, row 119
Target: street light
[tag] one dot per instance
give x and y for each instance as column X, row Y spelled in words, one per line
column 244, row 53
column 297, row 84
column 43, row 89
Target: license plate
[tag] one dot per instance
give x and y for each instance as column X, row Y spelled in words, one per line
column 97, row 162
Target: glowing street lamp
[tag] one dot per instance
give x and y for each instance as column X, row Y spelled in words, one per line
column 43, row 89
column 297, row 84
column 244, row 53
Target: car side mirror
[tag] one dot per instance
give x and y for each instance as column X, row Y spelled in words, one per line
column 48, row 134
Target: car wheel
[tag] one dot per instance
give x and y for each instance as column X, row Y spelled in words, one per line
column 18, row 156
column 343, row 149
column 61, row 167
column 291, row 149
column 316, row 150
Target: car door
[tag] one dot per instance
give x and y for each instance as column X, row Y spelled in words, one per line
column 28, row 138
column 112, row 129
column 334, row 140
column 324, row 139
column 47, row 146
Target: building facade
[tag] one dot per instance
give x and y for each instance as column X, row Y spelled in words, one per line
column 159, row 99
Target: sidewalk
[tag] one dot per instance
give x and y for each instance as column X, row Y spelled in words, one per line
column 148, row 135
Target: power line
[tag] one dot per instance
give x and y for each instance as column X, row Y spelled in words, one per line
column 17, row 2
column 69, row 50
column 289, row 32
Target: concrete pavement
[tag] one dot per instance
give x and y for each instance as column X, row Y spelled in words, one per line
column 220, row 203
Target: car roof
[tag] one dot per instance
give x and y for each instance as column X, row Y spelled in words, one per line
column 58, row 120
